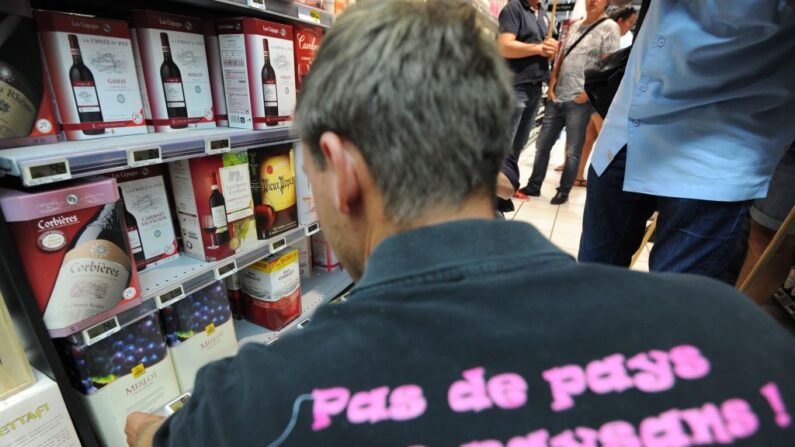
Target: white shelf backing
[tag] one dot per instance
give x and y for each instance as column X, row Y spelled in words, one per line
column 315, row 292
column 102, row 155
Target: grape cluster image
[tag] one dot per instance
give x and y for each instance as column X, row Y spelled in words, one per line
column 93, row 367
column 195, row 313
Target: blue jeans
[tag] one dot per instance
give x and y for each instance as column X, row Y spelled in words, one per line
column 692, row 236
column 575, row 118
column 527, row 98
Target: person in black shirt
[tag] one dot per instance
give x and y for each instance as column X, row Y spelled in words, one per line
column 464, row 330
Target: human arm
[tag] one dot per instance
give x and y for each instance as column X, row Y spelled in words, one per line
column 510, row 48
column 141, row 427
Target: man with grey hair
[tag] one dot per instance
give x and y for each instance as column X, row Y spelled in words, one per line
column 464, row 330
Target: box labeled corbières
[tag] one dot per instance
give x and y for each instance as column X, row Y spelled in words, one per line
column 272, row 290
column 175, row 78
column 303, row 190
column 128, row 371
column 322, row 254
column 216, row 75
column 75, row 251
column 147, row 216
column 272, row 172
column 307, row 42
column 212, row 196
column 36, row 417
column 199, row 329
column 259, row 72
column 91, row 64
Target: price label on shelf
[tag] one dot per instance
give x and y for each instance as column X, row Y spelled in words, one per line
column 312, row 229
column 42, row 173
column 144, row 157
column 101, row 331
column 218, row 145
column 259, row 4
column 308, row 14
column 278, row 245
column 225, row 270
column 170, row 297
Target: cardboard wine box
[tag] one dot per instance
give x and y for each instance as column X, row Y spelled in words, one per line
column 92, row 68
column 304, row 247
column 272, row 290
column 307, row 214
column 212, row 196
column 322, row 254
column 272, row 172
column 216, row 76
column 235, row 296
column 147, row 216
column 128, row 371
column 15, row 372
column 74, row 247
column 259, row 72
column 37, row 416
column 199, row 329
column 171, row 58
column 27, row 113
column 307, row 43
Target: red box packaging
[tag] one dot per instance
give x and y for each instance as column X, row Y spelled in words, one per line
column 272, row 290
column 258, row 65
column 322, row 255
column 272, row 172
column 91, row 64
column 74, row 248
column 307, row 42
column 212, row 196
column 216, row 76
column 27, row 114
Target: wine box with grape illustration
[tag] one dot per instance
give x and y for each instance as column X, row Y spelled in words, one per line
column 74, row 248
column 147, row 216
column 27, row 114
column 259, row 72
column 307, row 42
column 128, row 371
column 322, row 254
column 272, row 290
column 216, row 76
column 92, row 68
column 37, row 416
column 15, row 372
column 171, row 58
column 272, row 172
column 307, row 215
column 199, row 329
column 212, row 197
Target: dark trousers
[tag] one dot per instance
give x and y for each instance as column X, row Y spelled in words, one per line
column 527, row 98
column 575, row 118
column 692, row 236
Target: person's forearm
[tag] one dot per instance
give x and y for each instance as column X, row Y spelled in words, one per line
column 504, row 187
column 518, row 50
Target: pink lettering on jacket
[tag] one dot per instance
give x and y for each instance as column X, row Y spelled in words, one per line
column 507, row 391
column 706, row 425
column 537, row 438
column 618, row 434
column 664, row 430
column 741, row 422
column 771, row 393
column 608, row 375
column 327, row 403
column 654, row 373
column 565, row 382
column 407, row 402
column 688, row 362
column 580, row 437
column 369, row 406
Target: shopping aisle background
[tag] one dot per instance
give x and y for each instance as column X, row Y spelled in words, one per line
column 562, row 224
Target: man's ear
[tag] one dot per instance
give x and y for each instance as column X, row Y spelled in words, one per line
column 341, row 165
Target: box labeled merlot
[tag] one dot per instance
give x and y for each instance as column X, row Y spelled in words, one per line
column 92, row 68
column 216, row 76
column 322, row 254
column 128, row 371
column 272, row 172
column 74, row 247
column 213, row 201
column 303, row 190
column 15, row 372
column 147, row 216
column 272, row 290
column 259, row 72
column 171, row 58
column 307, row 42
column 199, row 329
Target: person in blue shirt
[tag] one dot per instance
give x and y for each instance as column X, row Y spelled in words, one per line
column 701, row 118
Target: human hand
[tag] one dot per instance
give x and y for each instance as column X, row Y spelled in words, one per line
column 549, row 47
column 141, row 427
column 551, row 94
column 582, row 98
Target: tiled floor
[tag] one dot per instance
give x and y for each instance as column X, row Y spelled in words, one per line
column 561, row 224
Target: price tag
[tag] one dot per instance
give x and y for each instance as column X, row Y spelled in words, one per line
column 170, row 297
column 217, row 145
column 312, row 229
column 176, row 404
column 47, row 172
column 278, row 245
column 225, row 270
column 308, row 14
column 304, row 323
column 144, row 157
column 259, row 4
column 101, row 331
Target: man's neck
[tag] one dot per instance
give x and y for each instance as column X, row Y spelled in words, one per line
column 533, row 4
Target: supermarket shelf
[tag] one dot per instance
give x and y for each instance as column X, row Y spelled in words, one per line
column 45, row 163
column 316, row 291
column 279, row 9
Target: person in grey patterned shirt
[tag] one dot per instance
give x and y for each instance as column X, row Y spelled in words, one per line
column 568, row 105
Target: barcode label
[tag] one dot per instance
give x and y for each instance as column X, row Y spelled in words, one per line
column 242, row 119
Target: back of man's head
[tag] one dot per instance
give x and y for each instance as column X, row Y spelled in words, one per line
column 420, row 89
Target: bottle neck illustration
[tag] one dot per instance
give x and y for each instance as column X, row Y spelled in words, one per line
column 166, row 47
column 266, row 51
column 74, row 48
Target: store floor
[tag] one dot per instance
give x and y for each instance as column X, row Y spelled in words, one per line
column 562, row 224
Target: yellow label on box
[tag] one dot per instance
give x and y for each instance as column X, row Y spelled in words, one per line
column 272, row 265
column 138, row 370
column 209, row 329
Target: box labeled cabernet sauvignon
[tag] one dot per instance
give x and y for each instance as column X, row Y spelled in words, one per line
column 273, row 179
column 74, row 247
column 216, row 76
column 213, row 201
column 147, row 216
column 259, row 72
column 171, row 58
column 91, row 64
column 272, row 290
column 199, row 329
column 128, row 371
